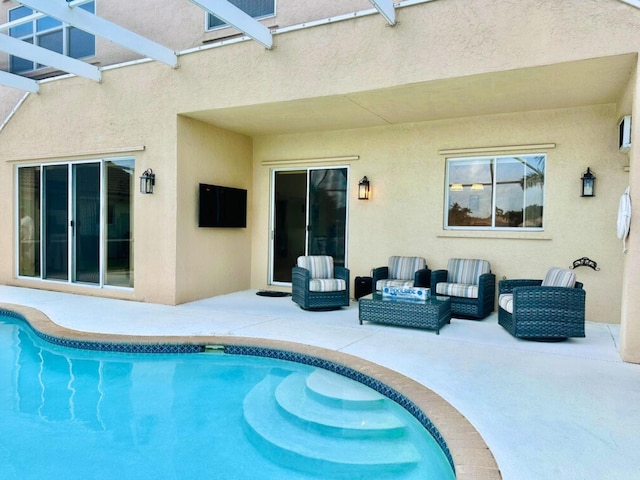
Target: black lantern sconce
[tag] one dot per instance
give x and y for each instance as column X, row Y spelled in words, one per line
column 588, row 184
column 147, row 181
column 364, row 189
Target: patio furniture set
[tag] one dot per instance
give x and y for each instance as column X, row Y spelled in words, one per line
column 552, row 309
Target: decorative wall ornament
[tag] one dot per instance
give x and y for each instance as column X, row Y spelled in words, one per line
column 585, row 262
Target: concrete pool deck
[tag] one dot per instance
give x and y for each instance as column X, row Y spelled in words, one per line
column 566, row 410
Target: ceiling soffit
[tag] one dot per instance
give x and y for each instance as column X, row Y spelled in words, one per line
column 566, row 85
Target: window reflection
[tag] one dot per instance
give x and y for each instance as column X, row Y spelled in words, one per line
column 496, row 192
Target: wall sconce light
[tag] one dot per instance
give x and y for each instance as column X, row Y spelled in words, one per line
column 147, row 181
column 456, row 187
column 477, row 186
column 588, row 184
column 364, row 189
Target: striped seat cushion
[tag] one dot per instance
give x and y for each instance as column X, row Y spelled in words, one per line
column 327, row 285
column 559, row 277
column 319, row 266
column 505, row 301
column 405, row 268
column 381, row 284
column 467, row 270
column 457, row 289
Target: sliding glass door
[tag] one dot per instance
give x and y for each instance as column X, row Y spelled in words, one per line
column 309, row 217
column 75, row 222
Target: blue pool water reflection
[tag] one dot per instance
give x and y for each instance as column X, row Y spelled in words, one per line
column 80, row 414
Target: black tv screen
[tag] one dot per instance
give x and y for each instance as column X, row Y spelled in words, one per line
column 222, row 207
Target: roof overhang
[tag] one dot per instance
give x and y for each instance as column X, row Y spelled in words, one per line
column 565, row 85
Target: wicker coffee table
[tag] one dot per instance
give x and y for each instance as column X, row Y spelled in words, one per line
column 432, row 314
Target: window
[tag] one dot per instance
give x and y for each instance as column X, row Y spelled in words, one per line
column 75, row 222
column 51, row 34
column 495, row 192
column 255, row 8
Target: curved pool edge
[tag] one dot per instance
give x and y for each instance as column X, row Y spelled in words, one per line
column 471, row 457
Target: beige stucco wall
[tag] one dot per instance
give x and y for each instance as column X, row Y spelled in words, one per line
column 101, row 121
column 405, row 214
column 630, row 324
column 211, row 261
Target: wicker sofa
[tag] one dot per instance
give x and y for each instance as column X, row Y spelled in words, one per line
column 470, row 285
column 316, row 284
column 402, row 272
column 552, row 309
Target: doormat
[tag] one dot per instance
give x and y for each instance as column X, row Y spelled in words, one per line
column 270, row 293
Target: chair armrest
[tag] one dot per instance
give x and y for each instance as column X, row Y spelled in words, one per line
column 507, row 286
column 561, row 298
column 422, row 278
column 300, row 278
column 438, row 276
column 487, row 284
column 379, row 273
column 342, row 273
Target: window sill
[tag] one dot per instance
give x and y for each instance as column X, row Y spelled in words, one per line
column 491, row 234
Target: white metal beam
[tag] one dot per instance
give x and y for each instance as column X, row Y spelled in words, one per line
column 633, row 3
column 16, row 81
column 36, row 16
column 235, row 17
column 386, row 9
column 16, row 47
column 95, row 25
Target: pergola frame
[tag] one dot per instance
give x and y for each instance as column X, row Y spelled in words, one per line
column 66, row 11
column 88, row 22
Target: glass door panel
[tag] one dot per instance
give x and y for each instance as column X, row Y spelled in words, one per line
column 119, row 223
column 29, row 215
column 290, row 192
column 327, row 213
column 86, row 222
column 56, row 218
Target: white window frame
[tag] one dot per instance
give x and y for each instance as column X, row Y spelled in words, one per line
column 452, row 183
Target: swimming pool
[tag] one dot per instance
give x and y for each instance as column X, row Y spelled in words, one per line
column 69, row 413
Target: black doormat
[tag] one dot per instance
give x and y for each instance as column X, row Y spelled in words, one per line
column 270, row 293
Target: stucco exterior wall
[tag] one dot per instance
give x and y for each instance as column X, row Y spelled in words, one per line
column 406, row 212
column 211, row 261
column 630, row 324
column 113, row 121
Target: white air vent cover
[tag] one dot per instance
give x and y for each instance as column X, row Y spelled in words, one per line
column 624, row 133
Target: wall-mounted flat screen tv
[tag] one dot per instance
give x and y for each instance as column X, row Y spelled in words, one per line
column 222, row 207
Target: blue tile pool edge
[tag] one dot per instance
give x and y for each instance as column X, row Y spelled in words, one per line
column 168, row 348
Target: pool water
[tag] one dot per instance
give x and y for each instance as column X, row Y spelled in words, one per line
column 81, row 414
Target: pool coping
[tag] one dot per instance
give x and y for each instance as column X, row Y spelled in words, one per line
column 469, row 453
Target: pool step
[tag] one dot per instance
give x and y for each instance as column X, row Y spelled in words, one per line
column 338, row 390
column 365, row 439
column 359, row 413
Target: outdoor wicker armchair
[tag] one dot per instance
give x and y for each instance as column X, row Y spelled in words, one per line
column 470, row 285
column 543, row 310
column 316, row 284
column 402, row 272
